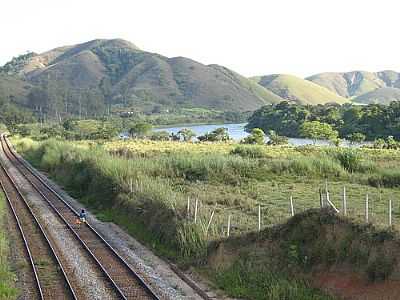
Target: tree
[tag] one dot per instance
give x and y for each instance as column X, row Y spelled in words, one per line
column 218, row 135
column 186, row 134
column 140, row 130
column 257, row 136
column 316, row 130
column 356, row 137
column 275, row 139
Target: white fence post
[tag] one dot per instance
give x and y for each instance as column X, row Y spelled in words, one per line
column 321, row 199
column 259, row 217
column 366, row 209
column 390, row 212
column 291, row 206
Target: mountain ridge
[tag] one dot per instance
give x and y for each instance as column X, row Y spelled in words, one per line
column 102, row 74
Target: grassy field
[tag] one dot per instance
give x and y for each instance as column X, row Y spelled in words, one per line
column 151, row 189
column 7, row 277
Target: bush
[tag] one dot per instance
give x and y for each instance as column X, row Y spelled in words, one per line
column 276, row 140
column 257, row 136
column 350, row 159
column 249, row 151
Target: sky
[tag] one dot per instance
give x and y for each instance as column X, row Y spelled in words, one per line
column 252, row 37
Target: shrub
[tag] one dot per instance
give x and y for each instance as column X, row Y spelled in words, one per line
column 257, row 136
column 249, row 151
column 350, row 159
column 276, row 140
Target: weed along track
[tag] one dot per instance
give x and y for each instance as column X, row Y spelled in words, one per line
column 124, row 282
column 46, row 269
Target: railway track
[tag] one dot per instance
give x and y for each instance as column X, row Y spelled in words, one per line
column 126, row 282
column 45, row 267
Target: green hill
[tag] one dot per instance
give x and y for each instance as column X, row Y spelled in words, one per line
column 356, row 83
column 101, row 73
column 298, row 90
column 379, row 96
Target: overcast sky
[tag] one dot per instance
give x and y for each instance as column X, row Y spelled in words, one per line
column 252, row 37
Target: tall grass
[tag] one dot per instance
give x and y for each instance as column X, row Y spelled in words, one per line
column 250, row 279
column 124, row 187
column 7, row 277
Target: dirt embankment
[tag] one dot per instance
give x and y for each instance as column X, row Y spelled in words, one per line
column 345, row 259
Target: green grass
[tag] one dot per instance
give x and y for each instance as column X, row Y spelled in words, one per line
column 249, row 279
column 7, row 277
column 144, row 187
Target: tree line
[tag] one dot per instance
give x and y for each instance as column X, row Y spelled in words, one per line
column 369, row 122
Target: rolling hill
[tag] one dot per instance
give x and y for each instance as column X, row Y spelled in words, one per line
column 298, row 90
column 116, row 72
column 379, row 96
column 92, row 77
column 357, row 83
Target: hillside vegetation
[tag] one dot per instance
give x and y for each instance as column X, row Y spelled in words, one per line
column 90, row 78
column 298, row 90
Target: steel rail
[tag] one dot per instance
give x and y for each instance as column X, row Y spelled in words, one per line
column 68, row 285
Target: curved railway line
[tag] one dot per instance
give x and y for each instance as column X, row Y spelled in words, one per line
column 125, row 282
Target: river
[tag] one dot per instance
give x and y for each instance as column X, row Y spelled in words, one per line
column 237, row 132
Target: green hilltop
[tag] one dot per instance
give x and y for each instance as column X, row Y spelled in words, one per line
column 298, row 90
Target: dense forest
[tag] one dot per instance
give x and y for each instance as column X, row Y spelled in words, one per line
column 373, row 121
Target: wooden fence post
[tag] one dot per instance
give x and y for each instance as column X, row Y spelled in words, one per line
column 291, row 206
column 229, row 226
column 344, row 201
column 366, row 209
